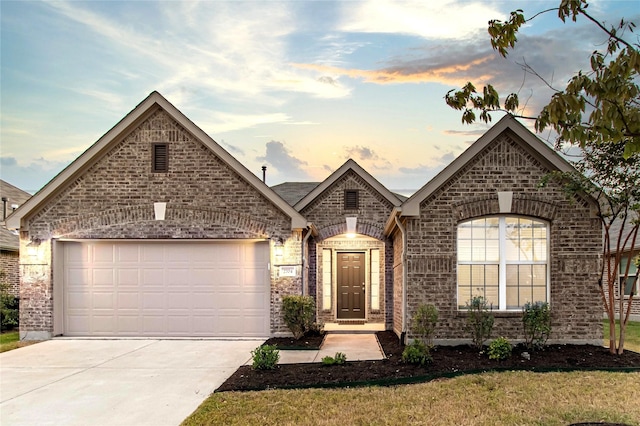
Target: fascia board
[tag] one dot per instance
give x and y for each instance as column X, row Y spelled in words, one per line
column 143, row 110
column 350, row 164
column 543, row 152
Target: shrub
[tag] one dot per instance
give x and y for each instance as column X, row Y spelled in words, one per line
column 479, row 320
column 9, row 306
column 265, row 357
column 417, row 352
column 339, row 359
column 500, row 349
column 536, row 321
column 424, row 323
column 298, row 314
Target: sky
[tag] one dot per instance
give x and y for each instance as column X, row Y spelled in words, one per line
column 298, row 86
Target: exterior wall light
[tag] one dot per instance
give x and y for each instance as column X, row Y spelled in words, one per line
column 32, row 246
column 351, row 226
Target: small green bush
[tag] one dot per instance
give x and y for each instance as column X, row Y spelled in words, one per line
column 424, row 323
column 339, row 359
column 417, row 352
column 265, row 357
column 298, row 314
column 9, row 306
column 479, row 321
column 536, row 321
column 500, row 349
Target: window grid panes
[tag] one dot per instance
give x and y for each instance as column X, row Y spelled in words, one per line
column 503, row 259
column 631, row 277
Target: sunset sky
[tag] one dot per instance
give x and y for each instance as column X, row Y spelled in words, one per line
column 298, row 86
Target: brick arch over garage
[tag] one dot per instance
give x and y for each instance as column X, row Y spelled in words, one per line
column 139, row 222
column 522, row 204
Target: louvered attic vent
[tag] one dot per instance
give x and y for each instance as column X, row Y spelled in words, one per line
column 351, row 199
column 160, row 157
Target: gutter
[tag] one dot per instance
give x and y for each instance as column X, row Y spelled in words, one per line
column 404, row 278
column 305, row 249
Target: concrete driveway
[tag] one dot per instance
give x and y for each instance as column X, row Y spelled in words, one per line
column 114, row 382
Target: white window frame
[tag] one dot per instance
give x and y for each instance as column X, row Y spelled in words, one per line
column 375, row 279
column 502, row 261
column 625, row 258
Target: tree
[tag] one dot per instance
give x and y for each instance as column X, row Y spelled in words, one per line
column 599, row 112
column 599, row 106
column 614, row 181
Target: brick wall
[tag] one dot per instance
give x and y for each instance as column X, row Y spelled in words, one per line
column 328, row 214
column 575, row 239
column 9, row 265
column 114, row 196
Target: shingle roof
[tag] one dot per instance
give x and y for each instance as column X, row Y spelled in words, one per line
column 614, row 231
column 292, row 192
column 14, row 197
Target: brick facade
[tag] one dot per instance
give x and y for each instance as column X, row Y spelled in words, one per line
column 208, row 195
column 575, row 243
column 114, row 196
column 9, row 265
column 327, row 213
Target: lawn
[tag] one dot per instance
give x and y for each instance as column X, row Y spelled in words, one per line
column 11, row 340
column 522, row 398
column 631, row 337
column 513, row 397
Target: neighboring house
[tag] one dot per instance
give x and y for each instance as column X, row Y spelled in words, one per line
column 628, row 252
column 157, row 231
column 12, row 198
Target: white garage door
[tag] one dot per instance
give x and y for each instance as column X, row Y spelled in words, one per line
column 166, row 288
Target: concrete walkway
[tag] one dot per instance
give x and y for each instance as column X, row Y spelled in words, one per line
column 357, row 347
column 114, row 382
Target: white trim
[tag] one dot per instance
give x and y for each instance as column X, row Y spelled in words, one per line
column 141, row 112
column 342, row 170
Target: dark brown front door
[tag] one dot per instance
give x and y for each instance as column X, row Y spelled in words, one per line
column 351, row 303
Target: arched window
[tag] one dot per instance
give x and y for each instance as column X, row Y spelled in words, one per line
column 504, row 259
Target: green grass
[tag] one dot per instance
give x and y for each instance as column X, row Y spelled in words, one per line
column 631, row 337
column 515, row 397
column 9, row 340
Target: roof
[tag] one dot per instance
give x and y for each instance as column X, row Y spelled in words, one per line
column 614, row 231
column 11, row 196
column 540, row 149
column 129, row 122
column 292, row 192
column 341, row 171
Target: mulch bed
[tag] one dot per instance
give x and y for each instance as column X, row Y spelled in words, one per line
column 448, row 361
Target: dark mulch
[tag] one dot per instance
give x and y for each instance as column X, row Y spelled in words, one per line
column 448, row 361
column 308, row 342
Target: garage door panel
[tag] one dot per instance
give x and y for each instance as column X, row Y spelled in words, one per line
column 102, row 254
column 166, row 288
column 102, row 300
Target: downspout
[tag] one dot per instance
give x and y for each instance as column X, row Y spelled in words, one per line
column 404, row 279
column 305, row 265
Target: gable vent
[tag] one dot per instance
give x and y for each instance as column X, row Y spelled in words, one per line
column 351, row 199
column 160, row 157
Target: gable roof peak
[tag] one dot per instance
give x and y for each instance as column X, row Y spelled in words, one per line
column 140, row 113
column 537, row 146
column 349, row 165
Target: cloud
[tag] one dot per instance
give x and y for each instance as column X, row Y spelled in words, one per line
column 227, row 49
column 285, row 163
column 443, row 19
column 30, row 177
column 361, row 153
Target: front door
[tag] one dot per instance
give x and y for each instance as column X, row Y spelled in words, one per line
column 351, row 301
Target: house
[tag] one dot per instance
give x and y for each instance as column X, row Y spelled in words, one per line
column 629, row 251
column 157, row 231
column 12, row 198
